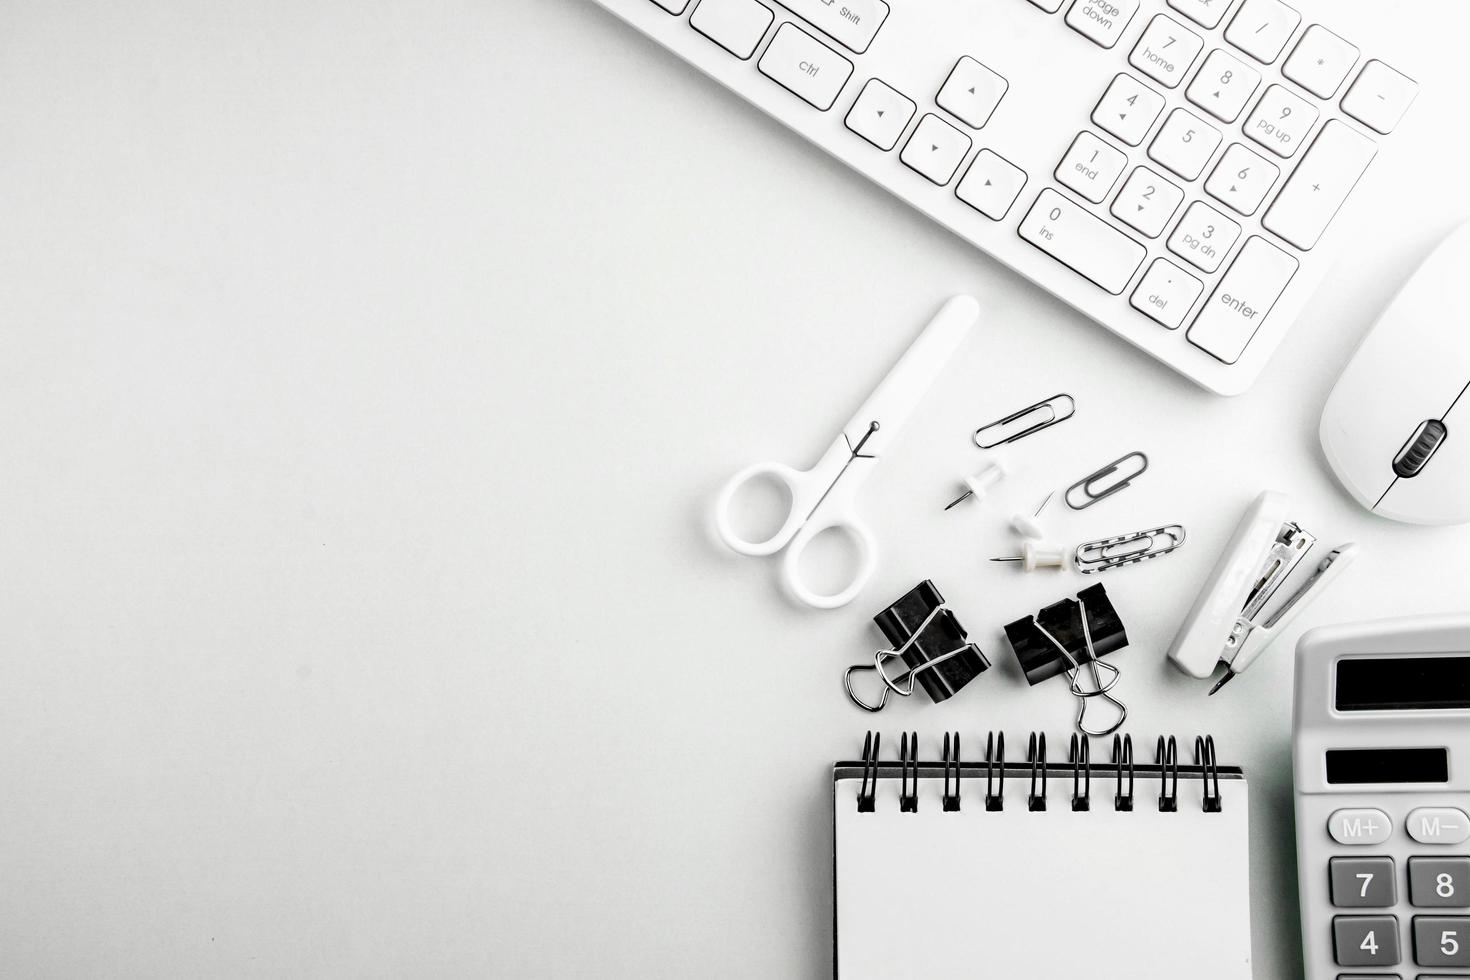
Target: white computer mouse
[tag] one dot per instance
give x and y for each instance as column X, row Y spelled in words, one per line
column 1396, row 428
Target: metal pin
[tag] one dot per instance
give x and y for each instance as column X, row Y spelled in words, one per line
column 979, row 485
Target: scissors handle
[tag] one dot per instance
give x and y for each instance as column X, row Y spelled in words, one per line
column 867, row 561
column 795, row 482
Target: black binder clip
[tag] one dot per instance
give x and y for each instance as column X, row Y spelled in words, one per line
column 926, row 636
column 1071, row 637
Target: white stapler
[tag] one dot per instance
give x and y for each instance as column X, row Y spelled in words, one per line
column 1229, row 622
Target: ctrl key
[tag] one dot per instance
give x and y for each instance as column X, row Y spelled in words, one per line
column 1365, row 940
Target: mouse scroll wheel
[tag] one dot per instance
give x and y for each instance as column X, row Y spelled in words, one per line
column 1422, row 445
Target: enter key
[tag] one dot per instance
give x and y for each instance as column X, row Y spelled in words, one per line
column 1243, row 300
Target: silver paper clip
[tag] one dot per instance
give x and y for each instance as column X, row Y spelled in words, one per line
column 1057, row 408
column 1127, row 549
column 1088, row 483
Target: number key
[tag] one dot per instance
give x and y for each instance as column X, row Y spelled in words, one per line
column 1091, row 167
column 1443, row 882
column 1128, row 109
column 1365, row 940
column 1147, row 202
column 1280, row 121
column 1363, row 882
column 1241, row 179
column 1165, row 51
column 1441, row 940
column 1203, row 237
column 1223, row 86
column 1184, row 143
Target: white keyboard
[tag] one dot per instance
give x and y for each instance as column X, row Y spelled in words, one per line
column 1171, row 169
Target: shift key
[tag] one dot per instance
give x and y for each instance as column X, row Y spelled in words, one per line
column 851, row 23
column 1086, row 244
column 1243, row 300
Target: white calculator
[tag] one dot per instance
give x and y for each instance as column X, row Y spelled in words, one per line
column 1381, row 750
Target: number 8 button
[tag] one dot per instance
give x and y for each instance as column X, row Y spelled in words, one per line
column 1439, row 882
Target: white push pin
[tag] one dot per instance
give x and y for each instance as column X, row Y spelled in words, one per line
column 1027, row 525
column 1033, row 557
column 980, row 484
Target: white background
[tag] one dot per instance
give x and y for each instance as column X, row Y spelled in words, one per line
column 366, row 373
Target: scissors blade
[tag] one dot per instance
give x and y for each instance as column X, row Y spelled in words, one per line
column 899, row 394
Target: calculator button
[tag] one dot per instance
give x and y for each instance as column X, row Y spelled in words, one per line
column 735, row 25
column 1241, row 179
column 1147, row 202
column 1320, row 62
column 1086, row 244
column 1101, row 21
column 1380, row 96
column 1441, row 940
column 1280, row 121
column 935, row 150
column 1438, row 825
column 1128, row 109
column 805, row 66
column 1205, row 13
column 1443, row 882
column 880, row 114
column 971, row 92
column 991, row 185
column 1359, row 826
column 1366, row 883
column 1165, row 51
column 1223, row 86
column 1203, row 237
column 1166, row 293
column 1091, row 167
column 1184, row 144
column 1365, row 940
column 1262, row 27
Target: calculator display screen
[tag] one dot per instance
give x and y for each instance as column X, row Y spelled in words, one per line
column 1403, row 683
column 1388, row 766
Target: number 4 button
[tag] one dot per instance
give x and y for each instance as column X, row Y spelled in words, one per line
column 1242, row 179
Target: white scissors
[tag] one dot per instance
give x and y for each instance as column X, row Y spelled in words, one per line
column 822, row 497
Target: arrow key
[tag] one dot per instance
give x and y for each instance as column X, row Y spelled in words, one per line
column 935, row 150
column 971, row 92
column 1147, row 202
column 1241, row 179
column 991, row 185
column 880, row 114
column 1128, row 109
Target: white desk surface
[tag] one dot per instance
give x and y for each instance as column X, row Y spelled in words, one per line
column 367, row 370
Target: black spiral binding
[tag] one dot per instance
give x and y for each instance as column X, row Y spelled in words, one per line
column 1080, row 755
column 1036, row 755
column 1204, row 756
column 908, row 794
column 868, row 790
column 952, row 799
column 995, row 800
column 1167, row 757
column 1166, row 767
column 1123, row 756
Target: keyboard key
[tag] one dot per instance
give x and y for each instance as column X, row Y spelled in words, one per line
column 1365, row 940
column 1101, row 21
column 735, row 25
column 935, row 150
column 971, row 92
column 1362, row 882
column 853, row 24
column 1128, row 109
column 1050, row 6
column 1085, row 244
column 1380, row 97
column 1441, row 940
column 1280, row 121
column 1440, row 882
column 1320, row 61
column 1205, row 13
column 1322, row 181
column 1165, row 51
column 805, row 66
column 1091, row 167
column 1438, row 825
column 1203, row 237
column 1223, row 86
column 991, row 185
column 1262, row 27
column 880, row 114
column 1185, row 143
column 1241, row 179
column 1147, row 202
column 673, row 6
column 1252, row 285
column 1356, row 826
column 1166, row 293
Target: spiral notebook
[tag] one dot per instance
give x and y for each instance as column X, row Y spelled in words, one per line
column 1068, row 868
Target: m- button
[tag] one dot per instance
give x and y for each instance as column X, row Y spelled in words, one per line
column 1359, row 826
column 1437, row 825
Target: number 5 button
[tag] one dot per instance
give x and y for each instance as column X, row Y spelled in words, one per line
column 1241, row 179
